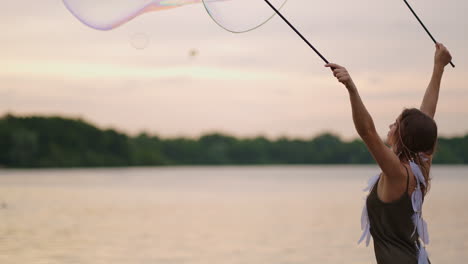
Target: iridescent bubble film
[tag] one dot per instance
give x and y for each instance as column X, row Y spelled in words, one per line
column 109, row 14
column 241, row 15
column 233, row 15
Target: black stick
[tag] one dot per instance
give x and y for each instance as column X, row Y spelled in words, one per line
column 298, row 33
column 422, row 24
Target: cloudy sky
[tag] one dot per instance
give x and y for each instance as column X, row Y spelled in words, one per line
column 266, row 81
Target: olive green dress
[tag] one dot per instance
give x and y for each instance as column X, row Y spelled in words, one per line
column 392, row 229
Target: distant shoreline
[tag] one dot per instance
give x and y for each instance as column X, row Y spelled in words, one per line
column 56, row 142
column 216, row 167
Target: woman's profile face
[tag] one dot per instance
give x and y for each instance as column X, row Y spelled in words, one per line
column 391, row 132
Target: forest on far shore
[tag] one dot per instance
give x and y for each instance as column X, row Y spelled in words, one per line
column 42, row 142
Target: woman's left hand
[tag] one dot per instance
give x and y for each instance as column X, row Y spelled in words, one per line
column 442, row 55
column 341, row 74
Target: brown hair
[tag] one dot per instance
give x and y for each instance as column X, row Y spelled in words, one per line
column 416, row 135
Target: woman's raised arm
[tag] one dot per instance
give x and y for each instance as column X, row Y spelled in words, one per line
column 384, row 156
column 441, row 58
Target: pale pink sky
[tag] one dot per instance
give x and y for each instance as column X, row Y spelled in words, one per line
column 263, row 82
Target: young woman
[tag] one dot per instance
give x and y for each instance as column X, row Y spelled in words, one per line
column 393, row 210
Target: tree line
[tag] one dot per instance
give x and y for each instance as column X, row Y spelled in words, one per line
column 40, row 142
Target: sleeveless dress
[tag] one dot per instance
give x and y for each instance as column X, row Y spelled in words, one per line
column 397, row 228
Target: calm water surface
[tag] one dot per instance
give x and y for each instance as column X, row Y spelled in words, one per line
column 209, row 215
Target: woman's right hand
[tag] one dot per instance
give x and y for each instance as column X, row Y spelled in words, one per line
column 342, row 75
column 442, row 56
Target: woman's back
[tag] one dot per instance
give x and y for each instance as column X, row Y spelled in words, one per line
column 392, row 227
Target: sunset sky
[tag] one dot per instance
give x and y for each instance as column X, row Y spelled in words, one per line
column 264, row 82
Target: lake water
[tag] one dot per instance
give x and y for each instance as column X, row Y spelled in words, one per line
column 209, row 215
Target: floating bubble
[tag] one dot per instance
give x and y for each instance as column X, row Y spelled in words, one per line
column 109, row 14
column 241, row 15
column 139, row 41
column 233, row 15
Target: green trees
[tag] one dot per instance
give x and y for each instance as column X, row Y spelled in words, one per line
column 453, row 150
column 59, row 142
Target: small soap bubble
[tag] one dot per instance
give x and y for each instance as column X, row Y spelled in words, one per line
column 139, row 41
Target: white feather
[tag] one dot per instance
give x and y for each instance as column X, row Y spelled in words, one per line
column 415, row 218
column 423, row 157
column 418, row 173
column 368, row 238
column 422, row 256
column 364, row 234
column 416, row 199
column 371, row 182
column 364, row 217
column 424, row 234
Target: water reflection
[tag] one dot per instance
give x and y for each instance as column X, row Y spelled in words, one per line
column 208, row 215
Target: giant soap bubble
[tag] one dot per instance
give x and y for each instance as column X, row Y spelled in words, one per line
column 233, row 15
column 109, row 14
column 241, row 15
